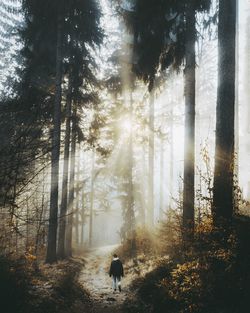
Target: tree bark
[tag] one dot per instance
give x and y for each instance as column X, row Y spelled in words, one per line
column 224, row 143
column 52, row 233
column 64, row 203
column 144, row 186
column 236, row 117
column 161, row 166
column 189, row 145
column 91, row 200
column 246, row 84
column 68, row 240
column 171, row 156
column 77, row 209
column 131, row 201
column 82, row 213
column 150, row 215
column 161, row 208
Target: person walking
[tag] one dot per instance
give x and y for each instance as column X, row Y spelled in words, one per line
column 116, row 271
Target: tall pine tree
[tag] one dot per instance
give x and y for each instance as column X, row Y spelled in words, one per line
column 224, row 145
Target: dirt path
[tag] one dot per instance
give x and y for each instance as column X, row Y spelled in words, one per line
column 96, row 280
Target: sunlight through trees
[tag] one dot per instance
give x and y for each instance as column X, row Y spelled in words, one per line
column 125, row 123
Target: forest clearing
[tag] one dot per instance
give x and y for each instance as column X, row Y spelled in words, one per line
column 124, row 156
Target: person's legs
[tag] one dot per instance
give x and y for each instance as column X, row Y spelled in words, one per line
column 114, row 282
column 119, row 283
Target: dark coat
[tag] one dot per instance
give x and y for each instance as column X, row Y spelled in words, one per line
column 116, row 268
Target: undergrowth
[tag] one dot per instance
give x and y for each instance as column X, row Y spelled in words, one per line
column 210, row 274
column 14, row 285
column 144, row 245
column 25, row 288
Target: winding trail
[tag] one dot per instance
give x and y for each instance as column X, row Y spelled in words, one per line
column 96, row 280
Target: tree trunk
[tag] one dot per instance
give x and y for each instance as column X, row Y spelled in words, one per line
column 77, row 209
column 236, row 107
column 189, row 145
column 91, row 200
column 27, row 225
column 224, row 143
column 144, row 186
column 82, row 213
column 236, row 118
column 161, row 208
column 68, row 240
column 150, row 215
column 171, row 156
column 131, row 211
column 40, row 219
column 246, row 112
column 52, row 233
column 64, row 203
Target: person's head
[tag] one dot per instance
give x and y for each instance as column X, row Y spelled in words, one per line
column 115, row 255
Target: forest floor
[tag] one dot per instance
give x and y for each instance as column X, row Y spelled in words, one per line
column 80, row 284
column 210, row 275
column 95, row 279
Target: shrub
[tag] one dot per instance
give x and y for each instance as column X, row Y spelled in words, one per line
column 143, row 244
column 14, row 285
column 210, row 274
